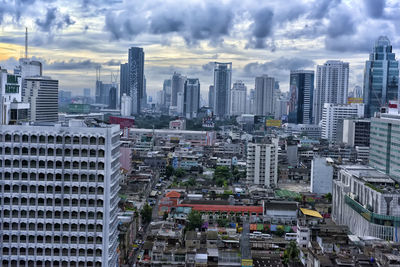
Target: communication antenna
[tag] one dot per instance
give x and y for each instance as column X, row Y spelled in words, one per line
column 26, row 42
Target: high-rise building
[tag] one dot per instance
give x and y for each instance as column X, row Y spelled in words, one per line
column 332, row 82
column 12, row 109
column 262, row 163
column 321, row 175
column 211, row 93
column 180, row 104
column 281, row 106
column 126, row 105
column 222, row 86
column 358, row 92
column 103, row 93
column 112, row 97
column 251, row 102
column 356, row 132
column 177, row 86
column 381, row 77
column 385, row 143
column 59, row 195
column 167, row 93
column 136, row 78
column 191, row 98
column 42, row 95
column 301, row 96
column 264, row 88
column 28, row 68
column 333, row 116
column 86, row 92
column 238, row 98
column 124, row 80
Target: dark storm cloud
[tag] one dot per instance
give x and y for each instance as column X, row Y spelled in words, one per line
column 340, row 23
column 166, row 23
column 124, row 25
column 282, row 63
column 54, row 19
column 261, row 28
column 46, row 24
column 112, row 63
column 374, row 8
column 319, row 9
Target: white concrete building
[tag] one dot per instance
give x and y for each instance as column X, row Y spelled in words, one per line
column 59, row 195
column 264, row 95
column 333, row 116
column 126, row 105
column 262, row 163
column 238, row 98
column 331, row 86
column 42, row 95
column 367, row 201
column 321, row 175
column 12, row 110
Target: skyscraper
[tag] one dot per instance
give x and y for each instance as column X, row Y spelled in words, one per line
column 301, row 96
column 264, row 89
column 136, row 78
column 167, row 93
column 177, row 86
column 191, row 98
column 238, row 98
column 222, row 86
column 332, row 82
column 211, row 94
column 42, row 95
column 124, row 80
column 59, row 206
column 381, row 77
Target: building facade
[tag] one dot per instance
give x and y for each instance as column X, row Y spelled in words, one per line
column 385, row 144
column 366, row 200
column 136, row 78
column 59, row 195
column 238, row 98
column 191, row 98
column 262, row 163
column 301, row 96
column 177, row 86
column 332, row 82
column 211, row 93
column 222, row 87
column 264, row 98
column 124, row 80
column 381, row 77
column 356, row 132
column 321, row 175
column 333, row 116
column 42, row 95
column 12, row 109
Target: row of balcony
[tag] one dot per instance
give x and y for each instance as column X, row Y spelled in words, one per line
column 51, row 139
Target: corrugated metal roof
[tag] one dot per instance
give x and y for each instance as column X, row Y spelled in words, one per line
column 312, row 213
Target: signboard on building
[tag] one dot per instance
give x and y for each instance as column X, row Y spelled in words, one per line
column 273, row 123
column 355, row 100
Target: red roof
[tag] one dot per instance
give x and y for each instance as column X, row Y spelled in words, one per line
column 224, row 208
column 173, row 194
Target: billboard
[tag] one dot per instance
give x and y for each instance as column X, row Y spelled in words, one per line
column 273, row 123
column 356, row 100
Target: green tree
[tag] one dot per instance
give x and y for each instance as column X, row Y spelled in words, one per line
column 291, row 254
column 179, row 172
column 221, row 175
column 146, row 213
column 165, row 215
column 194, row 220
column 280, row 230
column 222, row 222
column 191, row 182
column 169, row 171
column 328, row 197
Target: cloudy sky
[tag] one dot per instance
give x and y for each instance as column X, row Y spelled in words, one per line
column 259, row 37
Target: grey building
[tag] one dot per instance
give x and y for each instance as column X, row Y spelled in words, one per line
column 264, row 98
column 321, row 175
column 222, row 86
column 136, row 78
column 385, row 144
column 177, row 86
column 191, row 98
column 332, row 82
column 301, row 96
column 381, row 77
column 167, row 93
column 124, row 79
column 211, row 96
column 356, row 132
column 366, row 200
column 42, row 94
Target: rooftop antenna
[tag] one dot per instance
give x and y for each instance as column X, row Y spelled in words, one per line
column 26, row 42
